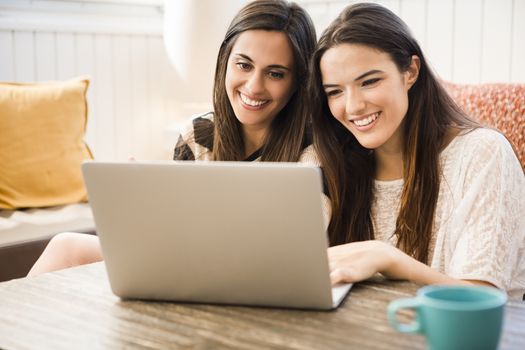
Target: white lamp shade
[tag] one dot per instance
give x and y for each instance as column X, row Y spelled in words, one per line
column 193, row 32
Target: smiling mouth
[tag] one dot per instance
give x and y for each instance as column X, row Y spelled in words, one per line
column 252, row 103
column 366, row 120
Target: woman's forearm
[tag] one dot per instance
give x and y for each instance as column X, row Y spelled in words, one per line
column 406, row 267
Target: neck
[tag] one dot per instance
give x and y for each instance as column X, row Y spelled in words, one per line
column 389, row 159
column 389, row 166
column 253, row 139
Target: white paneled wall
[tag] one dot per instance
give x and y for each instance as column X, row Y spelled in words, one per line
column 467, row 41
column 131, row 80
column 134, row 91
column 119, row 45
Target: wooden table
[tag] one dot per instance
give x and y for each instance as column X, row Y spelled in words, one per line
column 75, row 308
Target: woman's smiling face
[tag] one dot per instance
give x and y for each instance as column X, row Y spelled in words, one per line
column 367, row 93
column 259, row 77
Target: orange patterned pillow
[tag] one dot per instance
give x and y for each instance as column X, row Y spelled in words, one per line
column 501, row 106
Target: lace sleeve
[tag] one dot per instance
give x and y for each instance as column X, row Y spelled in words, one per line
column 488, row 217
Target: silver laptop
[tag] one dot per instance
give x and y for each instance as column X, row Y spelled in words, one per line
column 216, row 232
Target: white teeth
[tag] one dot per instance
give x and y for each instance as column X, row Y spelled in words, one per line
column 250, row 102
column 367, row 120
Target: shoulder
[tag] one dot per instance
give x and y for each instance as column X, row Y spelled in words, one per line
column 309, row 156
column 484, row 135
column 480, row 146
column 195, row 140
column 481, row 158
column 197, row 127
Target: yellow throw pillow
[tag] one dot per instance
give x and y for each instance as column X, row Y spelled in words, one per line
column 42, row 146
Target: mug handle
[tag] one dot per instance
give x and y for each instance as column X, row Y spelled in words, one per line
column 409, row 303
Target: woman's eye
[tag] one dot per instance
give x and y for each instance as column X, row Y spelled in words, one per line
column 243, row 66
column 276, row 75
column 370, row 81
column 331, row 93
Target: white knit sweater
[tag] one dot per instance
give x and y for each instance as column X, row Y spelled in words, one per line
column 479, row 226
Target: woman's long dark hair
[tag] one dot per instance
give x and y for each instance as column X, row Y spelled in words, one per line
column 349, row 168
column 286, row 137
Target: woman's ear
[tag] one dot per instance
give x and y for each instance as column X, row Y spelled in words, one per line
column 413, row 71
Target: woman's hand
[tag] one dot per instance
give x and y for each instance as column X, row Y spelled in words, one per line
column 354, row 262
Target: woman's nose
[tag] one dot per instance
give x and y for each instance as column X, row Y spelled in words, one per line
column 355, row 104
column 255, row 83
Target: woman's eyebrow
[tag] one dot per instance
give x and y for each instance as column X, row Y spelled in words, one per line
column 364, row 75
column 278, row 66
column 272, row 66
column 246, row 57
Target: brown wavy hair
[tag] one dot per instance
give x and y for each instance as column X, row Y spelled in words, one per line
column 349, row 168
column 287, row 135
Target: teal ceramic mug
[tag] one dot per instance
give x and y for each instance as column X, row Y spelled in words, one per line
column 454, row 317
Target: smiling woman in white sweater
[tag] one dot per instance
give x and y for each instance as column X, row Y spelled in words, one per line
column 418, row 190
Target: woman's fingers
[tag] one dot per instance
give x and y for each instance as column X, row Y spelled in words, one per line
column 340, row 275
column 354, row 262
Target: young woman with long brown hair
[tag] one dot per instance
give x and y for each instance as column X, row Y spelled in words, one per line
column 418, row 190
column 258, row 110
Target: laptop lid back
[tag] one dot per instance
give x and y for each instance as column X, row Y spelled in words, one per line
column 224, row 232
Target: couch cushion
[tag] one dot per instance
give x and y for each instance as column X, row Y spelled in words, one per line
column 501, row 106
column 42, row 127
column 25, row 233
column 19, row 226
